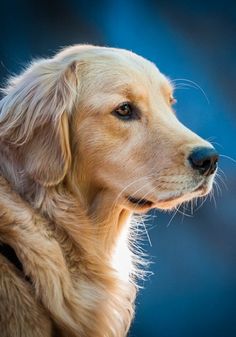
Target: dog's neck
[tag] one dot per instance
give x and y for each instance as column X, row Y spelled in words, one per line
column 107, row 219
column 112, row 224
column 111, row 219
column 101, row 233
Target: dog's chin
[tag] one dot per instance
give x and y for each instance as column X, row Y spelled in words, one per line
column 175, row 198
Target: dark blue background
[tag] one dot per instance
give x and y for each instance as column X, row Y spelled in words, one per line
column 193, row 290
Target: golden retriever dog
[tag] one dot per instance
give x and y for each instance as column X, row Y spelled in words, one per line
column 87, row 139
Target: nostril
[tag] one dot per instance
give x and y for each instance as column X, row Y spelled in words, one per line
column 204, row 160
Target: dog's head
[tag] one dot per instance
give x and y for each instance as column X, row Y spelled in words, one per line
column 103, row 118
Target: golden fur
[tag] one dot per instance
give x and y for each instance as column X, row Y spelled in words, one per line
column 68, row 165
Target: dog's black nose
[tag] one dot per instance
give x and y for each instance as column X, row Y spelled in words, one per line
column 204, row 159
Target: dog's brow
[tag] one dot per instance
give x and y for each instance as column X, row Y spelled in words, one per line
column 135, row 94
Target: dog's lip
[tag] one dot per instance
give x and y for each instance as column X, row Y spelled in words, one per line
column 146, row 203
column 202, row 188
column 140, row 202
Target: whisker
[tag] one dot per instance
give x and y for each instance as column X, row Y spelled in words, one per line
column 143, row 197
column 182, row 87
column 197, row 86
column 213, row 196
column 173, row 216
column 202, row 203
column 191, row 205
column 183, row 212
column 221, row 171
column 218, row 176
column 228, row 157
column 218, row 190
column 125, row 188
column 211, row 140
column 146, row 231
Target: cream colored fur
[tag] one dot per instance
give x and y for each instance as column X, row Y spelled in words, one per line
column 68, row 166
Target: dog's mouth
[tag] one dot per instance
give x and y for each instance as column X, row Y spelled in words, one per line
column 172, row 201
column 141, row 203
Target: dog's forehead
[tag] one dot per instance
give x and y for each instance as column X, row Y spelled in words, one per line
column 114, row 70
column 118, row 69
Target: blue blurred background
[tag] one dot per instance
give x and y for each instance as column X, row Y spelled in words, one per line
column 192, row 292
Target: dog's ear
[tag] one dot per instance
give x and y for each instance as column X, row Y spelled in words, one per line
column 34, row 119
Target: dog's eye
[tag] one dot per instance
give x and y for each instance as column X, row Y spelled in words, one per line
column 126, row 111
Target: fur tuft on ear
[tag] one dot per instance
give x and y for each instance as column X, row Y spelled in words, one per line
column 34, row 117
